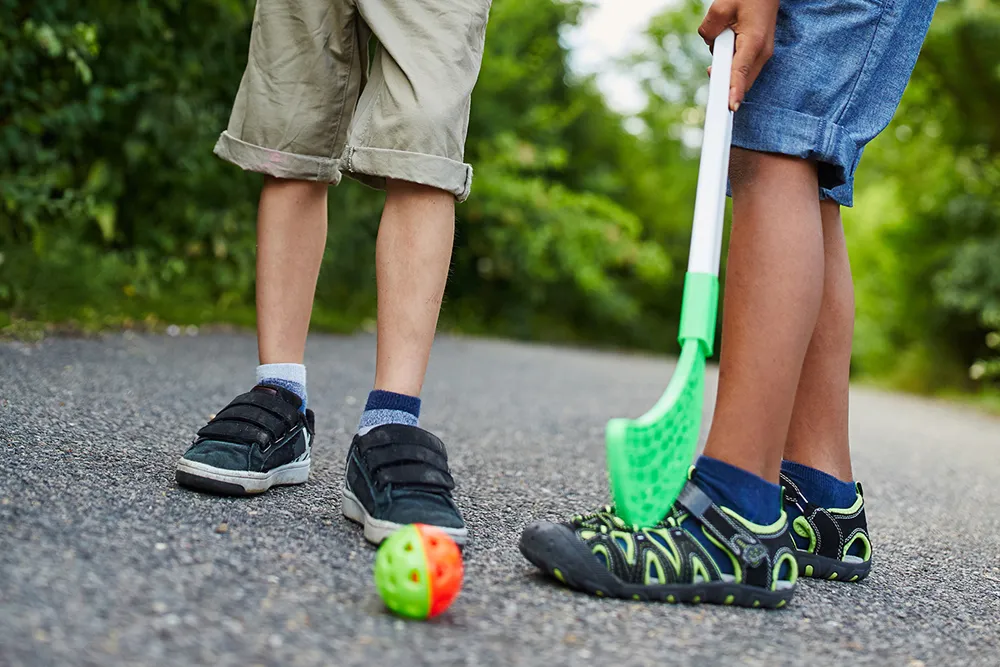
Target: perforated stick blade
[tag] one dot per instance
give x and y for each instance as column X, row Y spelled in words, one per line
column 649, row 457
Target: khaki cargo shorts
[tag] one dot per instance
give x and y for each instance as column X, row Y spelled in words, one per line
column 313, row 106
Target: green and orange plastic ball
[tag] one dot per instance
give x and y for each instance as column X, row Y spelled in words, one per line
column 418, row 571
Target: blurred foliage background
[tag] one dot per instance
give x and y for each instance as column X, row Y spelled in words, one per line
column 114, row 212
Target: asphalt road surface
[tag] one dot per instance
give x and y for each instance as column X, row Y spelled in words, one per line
column 104, row 561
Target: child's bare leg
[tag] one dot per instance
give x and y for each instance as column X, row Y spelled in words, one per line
column 816, row 472
column 817, row 436
column 413, row 253
column 226, row 455
column 291, row 237
column 774, row 286
column 412, row 257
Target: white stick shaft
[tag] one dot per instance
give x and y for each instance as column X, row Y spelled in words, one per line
column 710, row 200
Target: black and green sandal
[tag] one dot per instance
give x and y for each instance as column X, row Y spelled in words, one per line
column 832, row 543
column 600, row 554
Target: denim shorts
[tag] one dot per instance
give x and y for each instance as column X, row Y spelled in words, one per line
column 836, row 77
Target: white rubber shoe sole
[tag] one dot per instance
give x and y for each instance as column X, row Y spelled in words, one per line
column 377, row 530
column 237, row 482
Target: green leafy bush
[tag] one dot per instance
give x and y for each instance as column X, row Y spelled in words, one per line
column 111, row 200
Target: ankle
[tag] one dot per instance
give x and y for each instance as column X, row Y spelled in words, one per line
column 387, row 407
column 818, row 487
column 746, row 459
column 749, row 495
column 832, row 458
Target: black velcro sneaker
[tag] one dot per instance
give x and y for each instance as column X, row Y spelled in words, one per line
column 261, row 439
column 398, row 475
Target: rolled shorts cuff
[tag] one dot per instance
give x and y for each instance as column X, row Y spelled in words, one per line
column 372, row 166
column 768, row 129
column 277, row 163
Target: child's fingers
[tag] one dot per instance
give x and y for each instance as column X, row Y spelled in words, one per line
column 752, row 51
column 720, row 16
column 753, row 22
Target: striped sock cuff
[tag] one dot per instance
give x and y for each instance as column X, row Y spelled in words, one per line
column 386, row 407
column 373, row 418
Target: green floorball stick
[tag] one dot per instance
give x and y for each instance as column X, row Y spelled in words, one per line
column 649, row 457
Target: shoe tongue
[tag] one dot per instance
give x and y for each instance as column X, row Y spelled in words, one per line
column 280, row 392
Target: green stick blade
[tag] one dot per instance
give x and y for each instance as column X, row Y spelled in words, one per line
column 649, row 457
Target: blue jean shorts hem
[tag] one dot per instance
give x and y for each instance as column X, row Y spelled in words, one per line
column 767, row 129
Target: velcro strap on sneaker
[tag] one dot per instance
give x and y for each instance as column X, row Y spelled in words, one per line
column 740, row 542
column 405, row 455
column 238, row 432
column 382, row 455
column 270, row 402
column 400, row 434
column 414, row 473
column 250, row 414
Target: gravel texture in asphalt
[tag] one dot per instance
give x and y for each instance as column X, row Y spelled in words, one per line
column 105, row 561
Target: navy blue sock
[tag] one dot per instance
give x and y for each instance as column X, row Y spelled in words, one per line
column 752, row 497
column 386, row 407
column 819, row 487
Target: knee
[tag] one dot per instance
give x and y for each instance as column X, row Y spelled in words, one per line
column 753, row 169
column 295, row 187
column 399, row 190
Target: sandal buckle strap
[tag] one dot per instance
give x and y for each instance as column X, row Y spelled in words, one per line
column 744, row 545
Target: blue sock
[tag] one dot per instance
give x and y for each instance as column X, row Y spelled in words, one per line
column 819, row 487
column 752, row 497
column 287, row 376
column 386, row 407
